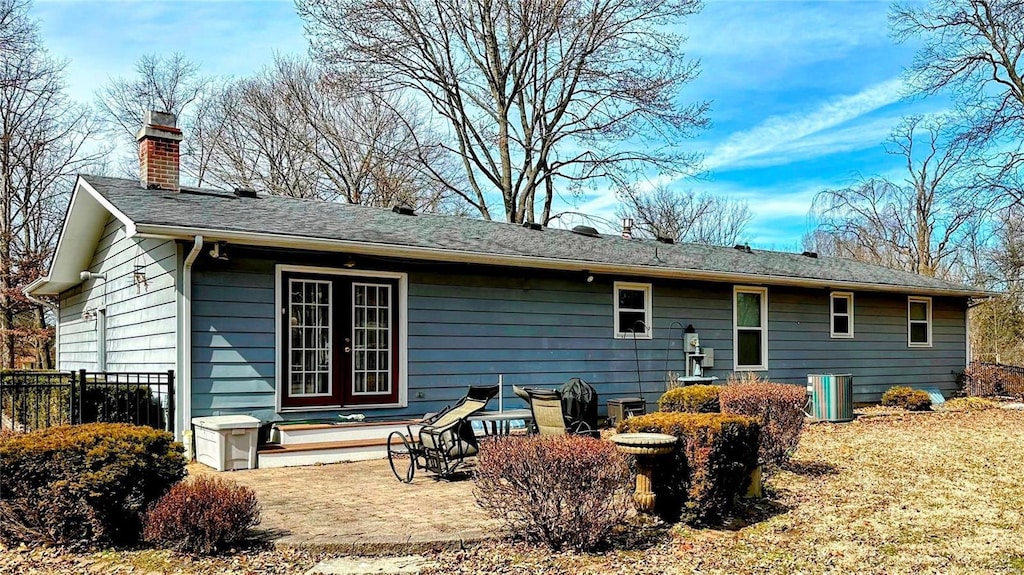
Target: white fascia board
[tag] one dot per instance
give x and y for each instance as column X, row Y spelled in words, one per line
column 461, row 256
column 83, row 224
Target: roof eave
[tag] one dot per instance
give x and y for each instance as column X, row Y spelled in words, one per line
column 462, row 256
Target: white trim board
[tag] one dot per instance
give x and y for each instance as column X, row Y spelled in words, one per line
column 763, row 292
column 462, row 256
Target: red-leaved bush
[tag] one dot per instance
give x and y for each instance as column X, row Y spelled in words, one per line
column 202, row 516
column 778, row 407
column 567, row 491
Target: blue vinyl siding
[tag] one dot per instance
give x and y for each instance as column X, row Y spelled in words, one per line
column 466, row 329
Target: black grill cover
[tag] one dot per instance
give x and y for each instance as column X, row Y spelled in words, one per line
column 579, row 402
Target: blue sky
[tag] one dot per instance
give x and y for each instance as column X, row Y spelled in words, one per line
column 803, row 93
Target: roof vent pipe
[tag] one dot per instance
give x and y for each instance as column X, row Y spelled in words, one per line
column 627, row 228
column 533, row 226
column 812, row 255
column 245, row 193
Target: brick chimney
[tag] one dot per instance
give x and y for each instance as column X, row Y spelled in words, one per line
column 158, row 140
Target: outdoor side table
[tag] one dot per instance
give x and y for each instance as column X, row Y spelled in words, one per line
column 646, row 447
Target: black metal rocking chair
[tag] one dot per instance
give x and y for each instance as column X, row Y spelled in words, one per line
column 444, row 441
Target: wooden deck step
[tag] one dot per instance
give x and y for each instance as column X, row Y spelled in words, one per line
column 344, row 425
column 295, row 448
column 331, row 433
column 297, row 454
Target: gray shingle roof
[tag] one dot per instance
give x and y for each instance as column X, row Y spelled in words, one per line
column 223, row 211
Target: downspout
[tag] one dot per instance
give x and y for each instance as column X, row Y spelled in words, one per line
column 185, row 378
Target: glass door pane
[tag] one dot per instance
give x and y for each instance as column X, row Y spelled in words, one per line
column 309, row 320
column 372, row 359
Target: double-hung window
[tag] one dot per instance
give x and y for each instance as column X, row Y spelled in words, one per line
column 750, row 328
column 841, row 312
column 632, row 310
column 919, row 322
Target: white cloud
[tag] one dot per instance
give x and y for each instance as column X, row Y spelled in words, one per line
column 779, row 132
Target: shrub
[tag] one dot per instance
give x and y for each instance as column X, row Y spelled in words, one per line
column 968, row 404
column 567, row 491
column 778, row 407
column 201, row 516
column 122, row 403
column 992, row 380
column 700, row 481
column 691, row 399
column 906, row 398
column 85, row 484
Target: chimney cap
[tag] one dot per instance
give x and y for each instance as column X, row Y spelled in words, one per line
column 157, row 118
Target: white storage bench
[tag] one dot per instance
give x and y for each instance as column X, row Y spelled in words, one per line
column 226, row 442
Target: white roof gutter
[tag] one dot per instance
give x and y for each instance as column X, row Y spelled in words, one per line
column 462, row 256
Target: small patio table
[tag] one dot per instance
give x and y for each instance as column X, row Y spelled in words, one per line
column 500, row 421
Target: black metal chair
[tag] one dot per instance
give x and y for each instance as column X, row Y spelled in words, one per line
column 443, row 442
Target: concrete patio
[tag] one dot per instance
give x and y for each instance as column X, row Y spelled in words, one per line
column 361, row 508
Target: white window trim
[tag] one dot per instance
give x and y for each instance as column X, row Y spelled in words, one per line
column 928, row 302
column 848, row 296
column 763, row 292
column 403, row 334
column 648, row 305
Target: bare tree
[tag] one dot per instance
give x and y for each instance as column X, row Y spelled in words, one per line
column 536, row 95
column 42, row 143
column 289, row 131
column 919, row 224
column 165, row 83
column 686, row 216
column 972, row 49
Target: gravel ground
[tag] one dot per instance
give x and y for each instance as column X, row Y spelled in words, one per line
column 935, row 493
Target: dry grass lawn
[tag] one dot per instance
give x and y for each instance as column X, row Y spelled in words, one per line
column 929, row 493
column 913, row 493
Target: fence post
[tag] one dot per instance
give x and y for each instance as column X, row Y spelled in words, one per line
column 170, row 400
column 72, row 402
column 81, row 396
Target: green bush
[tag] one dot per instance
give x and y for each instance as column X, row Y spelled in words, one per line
column 907, row 398
column 122, row 403
column 84, row 485
column 201, row 516
column 567, row 491
column 691, row 399
column 702, row 479
column 778, row 408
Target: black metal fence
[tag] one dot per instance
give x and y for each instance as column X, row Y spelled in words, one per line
column 993, row 380
column 35, row 400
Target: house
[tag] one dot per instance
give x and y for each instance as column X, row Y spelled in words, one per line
column 289, row 309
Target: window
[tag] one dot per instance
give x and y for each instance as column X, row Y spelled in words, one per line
column 841, row 308
column 632, row 310
column 750, row 328
column 919, row 322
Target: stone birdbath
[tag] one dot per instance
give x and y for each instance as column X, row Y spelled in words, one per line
column 646, row 447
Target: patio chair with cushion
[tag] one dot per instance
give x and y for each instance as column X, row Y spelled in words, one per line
column 548, row 415
column 443, row 442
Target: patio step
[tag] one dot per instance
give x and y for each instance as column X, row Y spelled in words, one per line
column 303, row 433
column 297, row 454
